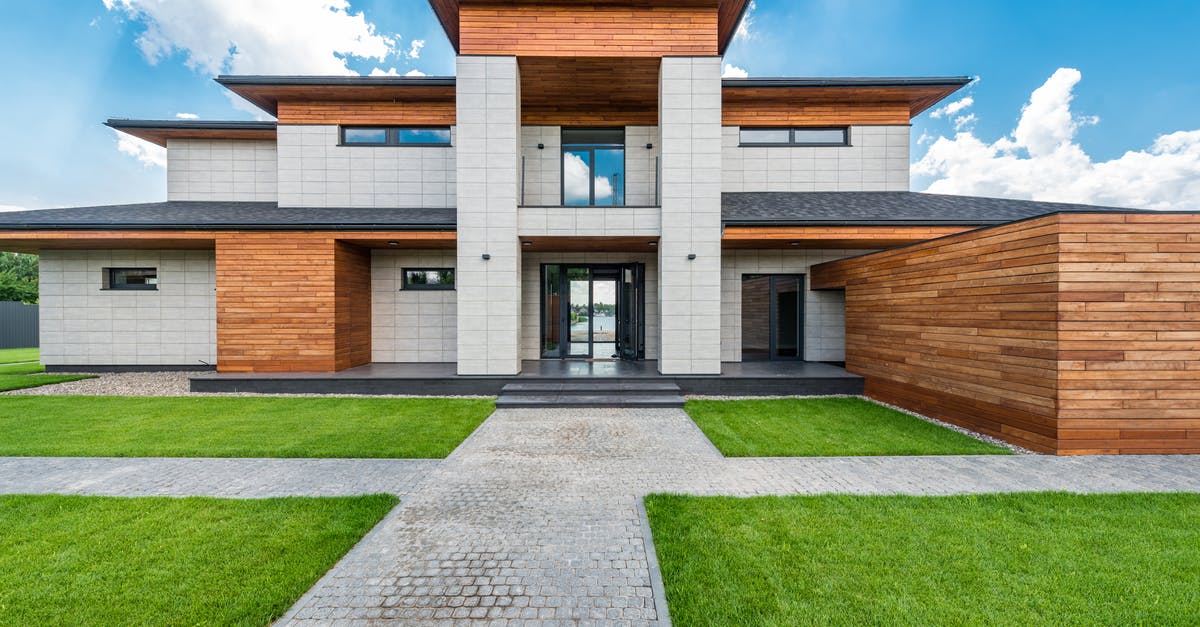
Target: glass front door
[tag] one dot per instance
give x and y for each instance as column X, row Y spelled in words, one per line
column 772, row 317
column 601, row 316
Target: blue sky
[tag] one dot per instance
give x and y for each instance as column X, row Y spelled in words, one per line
column 73, row 63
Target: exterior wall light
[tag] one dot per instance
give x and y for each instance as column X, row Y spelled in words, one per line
column 541, row 146
column 649, row 146
column 691, row 256
column 393, row 243
column 486, row 256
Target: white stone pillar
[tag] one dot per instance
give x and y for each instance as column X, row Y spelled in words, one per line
column 488, row 153
column 690, row 304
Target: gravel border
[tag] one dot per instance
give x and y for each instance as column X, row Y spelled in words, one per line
column 963, row 430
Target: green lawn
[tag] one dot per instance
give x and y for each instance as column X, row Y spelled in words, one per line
column 109, row 426
column 1020, row 559
column 17, row 355
column 819, row 427
column 74, row 560
column 16, row 376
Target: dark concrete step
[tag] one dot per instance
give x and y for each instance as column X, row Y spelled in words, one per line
column 588, row 400
column 592, row 388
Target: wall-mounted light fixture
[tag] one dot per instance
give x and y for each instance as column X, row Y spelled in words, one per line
column 541, row 146
column 486, row 256
column 393, row 243
column 649, row 146
column 652, row 244
column 691, row 256
column 527, row 243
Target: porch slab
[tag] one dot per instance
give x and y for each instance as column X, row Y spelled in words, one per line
column 442, row 379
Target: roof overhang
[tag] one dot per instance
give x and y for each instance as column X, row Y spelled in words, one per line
column 729, row 14
column 919, row 93
column 265, row 92
column 159, row 131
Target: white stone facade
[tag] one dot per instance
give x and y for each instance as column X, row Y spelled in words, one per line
column 824, row 310
column 221, row 170
column 411, row 325
column 83, row 324
column 314, row 171
column 876, row 160
column 489, row 148
column 690, row 246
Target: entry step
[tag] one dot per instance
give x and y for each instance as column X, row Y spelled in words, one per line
column 592, row 394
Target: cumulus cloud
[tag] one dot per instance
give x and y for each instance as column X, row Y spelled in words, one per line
column 150, row 155
column 1040, row 160
column 414, row 73
column 394, row 72
column 187, row 116
column 414, row 51
column 964, row 122
column 745, row 28
column 952, row 108
column 733, row 71
column 575, row 181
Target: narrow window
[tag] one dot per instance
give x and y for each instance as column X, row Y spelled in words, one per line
column 395, row 135
column 131, row 279
column 804, row 136
column 429, row 278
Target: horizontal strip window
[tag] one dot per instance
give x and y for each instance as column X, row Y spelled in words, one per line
column 131, row 278
column 802, row 136
column 395, row 135
column 428, row 278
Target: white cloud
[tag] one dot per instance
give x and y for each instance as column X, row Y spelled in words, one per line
column 925, row 138
column 604, row 188
column 744, row 30
column 381, row 72
column 187, row 116
column 575, row 179
column 964, row 122
column 150, row 155
column 1041, row 160
column 733, row 71
column 414, row 73
column 414, row 51
column 260, row 37
column 952, row 108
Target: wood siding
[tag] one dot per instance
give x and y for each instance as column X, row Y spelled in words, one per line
column 352, row 289
column 775, row 113
column 589, row 30
column 802, row 237
column 433, row 113
column 1129, row 333
column 1074, row 333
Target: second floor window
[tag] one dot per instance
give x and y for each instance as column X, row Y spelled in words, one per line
column 799, row 136
column 395, row 135
column 593, row 167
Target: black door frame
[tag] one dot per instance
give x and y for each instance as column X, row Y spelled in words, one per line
column 773, row 314
column 564, row 308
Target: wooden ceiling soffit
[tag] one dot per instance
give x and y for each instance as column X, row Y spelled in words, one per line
column 619, row 244
column 589, row 91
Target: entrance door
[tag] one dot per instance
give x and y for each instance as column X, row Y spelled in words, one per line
column 772, row 317
column 601, row 315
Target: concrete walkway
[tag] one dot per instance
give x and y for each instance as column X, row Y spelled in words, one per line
column 536, row 517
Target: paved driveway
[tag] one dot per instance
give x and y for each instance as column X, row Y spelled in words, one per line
column 537, row 515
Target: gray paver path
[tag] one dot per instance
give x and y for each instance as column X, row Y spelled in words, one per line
column 536, row 516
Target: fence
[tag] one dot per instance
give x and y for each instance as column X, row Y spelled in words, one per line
column 18, row 325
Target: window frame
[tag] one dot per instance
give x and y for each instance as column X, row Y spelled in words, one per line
column 111, row 284
column 440, row 287
column 392, row 136
column 591, row 148
column 792, row 137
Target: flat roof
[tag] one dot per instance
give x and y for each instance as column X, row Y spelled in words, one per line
column 209, row 215
column 159, row 131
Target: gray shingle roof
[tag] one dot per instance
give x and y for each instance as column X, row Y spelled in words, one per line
column 240, row 215
column 884, row 208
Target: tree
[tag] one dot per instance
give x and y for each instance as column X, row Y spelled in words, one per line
column 18, row 277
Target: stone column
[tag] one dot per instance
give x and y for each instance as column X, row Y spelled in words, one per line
column 690, row 248
column 489, row 290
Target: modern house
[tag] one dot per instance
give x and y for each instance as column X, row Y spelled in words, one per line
column 588, row 188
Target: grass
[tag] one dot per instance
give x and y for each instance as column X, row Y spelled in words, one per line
column 1016, row 559
column 16, row 376
column 17, row 355
column 106, row 426
column 74, row 560
column 820, row 427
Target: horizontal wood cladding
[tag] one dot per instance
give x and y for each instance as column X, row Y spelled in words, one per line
column 563, row 29
column 962, row 329
column 589, row 91
column 759, row 237
column 774, row 113
column 1129, row 333
column 417, row 113
column 1073, row 333
column 352, row 281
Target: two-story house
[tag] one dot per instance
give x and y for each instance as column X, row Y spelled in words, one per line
column 588, row 188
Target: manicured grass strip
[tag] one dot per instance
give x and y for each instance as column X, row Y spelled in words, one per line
column 74, row 560
column 110, row 426
column 1018, row 559
column 819, row 427
column 32, row 367
column 16, row 355
column 21, row 381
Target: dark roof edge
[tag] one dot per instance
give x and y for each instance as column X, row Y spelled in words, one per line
column 225, row 227
column 876, row 81
column 736, row 25
column 914, row 222
column 222, row 125
column 346, row 81
column 1100, row 211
